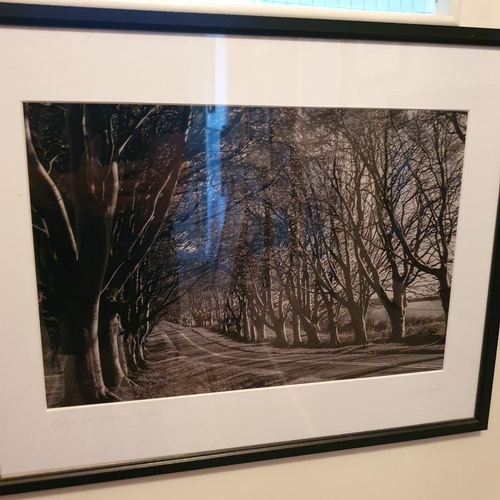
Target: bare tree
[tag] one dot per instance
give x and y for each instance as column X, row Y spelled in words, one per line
column 78, row 209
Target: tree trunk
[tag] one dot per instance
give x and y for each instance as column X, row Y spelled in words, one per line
column 109, row 330
column 238, row 328
column 396, row 313
column 246, row 326
column 444, row 293
column 396, row 310
column 122, row 356
column 94, row 191
column 251, row 329
column 139, row 355
column 83, row 380
column 223, row 327
column 359, row 328
column 260, row 331
column 333, row 331
column 332, row 328
column 281, row 339
column 130, row 354
column 313, row 339
column 79, row 321
column 296, row 342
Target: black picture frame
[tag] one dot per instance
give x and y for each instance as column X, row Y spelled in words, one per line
column 82, row 18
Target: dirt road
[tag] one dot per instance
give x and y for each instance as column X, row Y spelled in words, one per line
column 300, row 363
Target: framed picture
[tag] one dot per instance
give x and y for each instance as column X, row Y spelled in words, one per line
column 236, row 238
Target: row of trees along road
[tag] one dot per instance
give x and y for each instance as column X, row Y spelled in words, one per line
column 262, row 220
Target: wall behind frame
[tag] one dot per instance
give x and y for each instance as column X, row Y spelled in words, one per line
column 463, row 467
column 480, row 13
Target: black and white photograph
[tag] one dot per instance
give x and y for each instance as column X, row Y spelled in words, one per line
column 187, row 249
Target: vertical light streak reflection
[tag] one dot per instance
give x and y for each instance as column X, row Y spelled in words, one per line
column 215, row 122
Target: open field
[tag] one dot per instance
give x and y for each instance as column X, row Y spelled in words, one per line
column 417, row 309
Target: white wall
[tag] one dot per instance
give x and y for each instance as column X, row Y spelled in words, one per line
column 465, row 467
column 480, row 13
